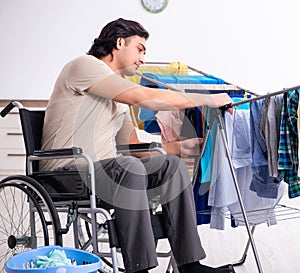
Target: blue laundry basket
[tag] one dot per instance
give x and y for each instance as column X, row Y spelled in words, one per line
column 85, row 261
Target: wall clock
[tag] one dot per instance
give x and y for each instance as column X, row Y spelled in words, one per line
column 154, row 6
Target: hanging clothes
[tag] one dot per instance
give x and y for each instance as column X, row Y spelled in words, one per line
column 150, row 117
column 201, row 190
column 170, row 123
column 193, row 120
column 270, row 131
column 201, row 193
column 288, row 161
column 298, row 124
column 222, row 193
column 206, row 161
column 259, row 209
column 262, row 183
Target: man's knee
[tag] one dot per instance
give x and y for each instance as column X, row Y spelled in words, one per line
column 130, row 165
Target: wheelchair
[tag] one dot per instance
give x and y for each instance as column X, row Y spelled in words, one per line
column 41, row 207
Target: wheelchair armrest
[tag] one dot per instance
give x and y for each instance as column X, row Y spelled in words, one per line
column 58, row 152
column 138, row 146
column 75, row 152
column 141, row 147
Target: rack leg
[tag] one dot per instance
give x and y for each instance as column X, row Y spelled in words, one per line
column 174, row 264
column 243, row 259
column 239, row 195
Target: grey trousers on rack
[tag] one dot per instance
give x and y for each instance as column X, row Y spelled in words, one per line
column 127, row 183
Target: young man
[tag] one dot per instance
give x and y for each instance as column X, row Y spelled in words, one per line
column 89, row 108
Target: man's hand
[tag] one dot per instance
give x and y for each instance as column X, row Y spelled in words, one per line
column 184, row 148
column 190, row 147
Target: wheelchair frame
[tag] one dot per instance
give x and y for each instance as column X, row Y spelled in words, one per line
column 42, row 206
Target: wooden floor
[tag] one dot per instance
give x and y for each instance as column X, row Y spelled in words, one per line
column 278, row 246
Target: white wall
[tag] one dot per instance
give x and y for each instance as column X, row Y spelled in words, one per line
column 252, row 43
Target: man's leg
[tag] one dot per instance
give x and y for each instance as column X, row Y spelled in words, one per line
column 169, row 177
column 122, row 183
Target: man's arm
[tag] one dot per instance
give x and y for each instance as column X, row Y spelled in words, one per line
column 158, row 99
column 127, row 135
column 154, row 98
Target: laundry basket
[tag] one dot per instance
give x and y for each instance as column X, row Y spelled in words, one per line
column 85, row 261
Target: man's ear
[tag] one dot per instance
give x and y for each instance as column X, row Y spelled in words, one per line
column 120, row 43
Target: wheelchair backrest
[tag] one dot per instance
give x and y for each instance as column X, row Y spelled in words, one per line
column 32, row 122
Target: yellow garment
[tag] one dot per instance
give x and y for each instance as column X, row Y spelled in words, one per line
column 181, row 68
column 174, row 68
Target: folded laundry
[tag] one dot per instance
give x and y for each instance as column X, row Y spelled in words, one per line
column 56, row 257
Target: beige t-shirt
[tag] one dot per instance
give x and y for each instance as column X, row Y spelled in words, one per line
column 75, row 118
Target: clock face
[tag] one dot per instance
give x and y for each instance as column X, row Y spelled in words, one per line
column 154, row 6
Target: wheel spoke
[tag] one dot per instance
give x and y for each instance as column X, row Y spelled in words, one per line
column 24, row 222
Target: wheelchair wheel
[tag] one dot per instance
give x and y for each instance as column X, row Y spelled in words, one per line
column 28, row 218
column 85, row 241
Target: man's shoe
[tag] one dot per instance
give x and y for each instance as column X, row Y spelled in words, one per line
column 199, row 268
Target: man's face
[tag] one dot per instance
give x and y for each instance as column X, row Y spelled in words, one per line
column 131, row 54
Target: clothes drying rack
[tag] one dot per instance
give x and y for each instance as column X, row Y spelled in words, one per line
column 217, row 114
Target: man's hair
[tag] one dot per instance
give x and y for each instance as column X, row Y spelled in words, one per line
column 120, row 28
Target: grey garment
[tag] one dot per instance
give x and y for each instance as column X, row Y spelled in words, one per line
column 127, row 183
column 270, row 131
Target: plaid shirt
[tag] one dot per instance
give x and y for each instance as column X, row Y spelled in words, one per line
column 288, row 143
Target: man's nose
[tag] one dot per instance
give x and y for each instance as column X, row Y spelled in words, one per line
column 142, row 59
